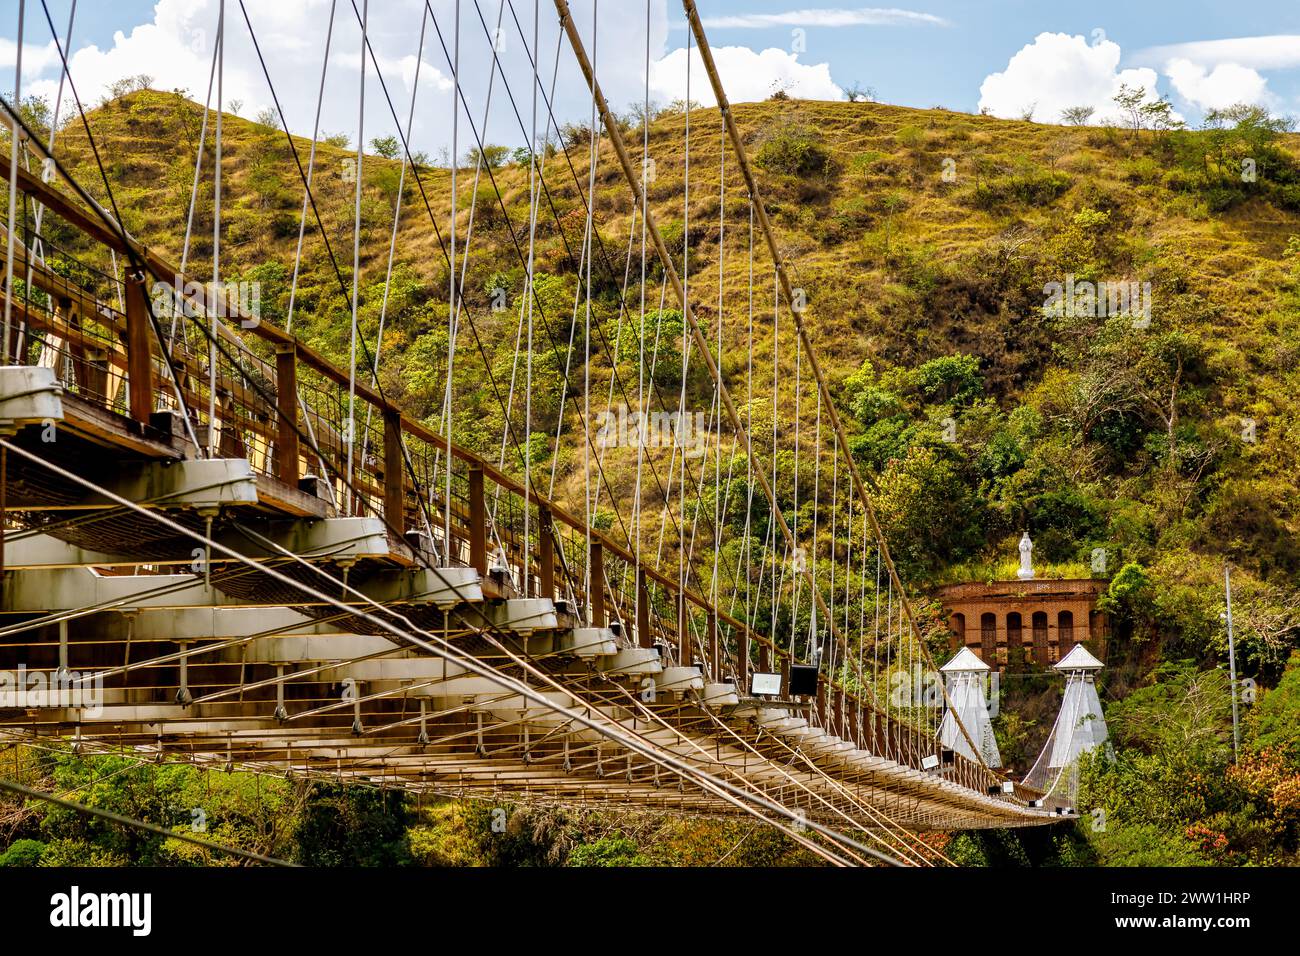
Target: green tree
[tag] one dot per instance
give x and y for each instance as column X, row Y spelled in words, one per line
column 1078, row 115
column 612, row 850
column 386, row 146
column 1276, row 718
column 492, row 156
column 927, row 510
column 1130, row 601
column 353, row 826
column 23, row 853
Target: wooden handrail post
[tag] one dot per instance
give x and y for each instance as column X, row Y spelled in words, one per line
column 546, row 552
column 683, row 631
column 139, row 357
column 286, row 401
column 394, row 476
column 642, row 610
column 597, row 596
column 742, row 660
column 715, row 654
column 477, row 521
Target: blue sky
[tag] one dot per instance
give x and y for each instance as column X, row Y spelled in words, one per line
column 919, row 65
column 1008, row 57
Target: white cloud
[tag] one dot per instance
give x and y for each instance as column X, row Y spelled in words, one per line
column 1058, row 71
column 175, row 48
column 35, row 57
column 747, row 75
column 830, row 17
column 1226, row 85
column 1278, row 52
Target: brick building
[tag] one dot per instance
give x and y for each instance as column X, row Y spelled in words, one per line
column 1010, row 624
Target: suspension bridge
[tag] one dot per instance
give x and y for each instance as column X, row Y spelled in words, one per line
column 220, row 546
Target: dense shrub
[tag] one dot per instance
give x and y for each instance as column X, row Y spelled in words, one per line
column 795, row 150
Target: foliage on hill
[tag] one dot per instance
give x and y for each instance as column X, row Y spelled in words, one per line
column 321, row 824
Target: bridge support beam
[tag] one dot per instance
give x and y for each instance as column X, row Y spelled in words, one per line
column 29, row 395
column 202, row 484
column 69, row 588
column 339, row 539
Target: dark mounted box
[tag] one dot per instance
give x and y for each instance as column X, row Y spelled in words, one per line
column 803, row 680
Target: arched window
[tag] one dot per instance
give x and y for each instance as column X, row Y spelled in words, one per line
column 1040, row 637
column 1015, row 639
column 1065, row 632
column 988, row 637
column 958, row 626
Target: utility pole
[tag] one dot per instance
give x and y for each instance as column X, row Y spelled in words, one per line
column 1232, row 660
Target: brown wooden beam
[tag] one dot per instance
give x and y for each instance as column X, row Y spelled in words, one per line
column 546, row 552
column 643, row 637
column 683, row 632
column 715, row 650
column 477, row 522
column 287, row 467
column 597, row 595
column 139, row 353
column 394, row 473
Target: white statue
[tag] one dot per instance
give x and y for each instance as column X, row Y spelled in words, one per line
column 1026, row 572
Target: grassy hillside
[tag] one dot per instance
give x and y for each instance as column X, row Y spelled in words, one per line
column 926, row 242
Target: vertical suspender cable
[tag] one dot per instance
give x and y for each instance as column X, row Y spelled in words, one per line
column 535, row 197
column 717, row 398
column 750, row 608
column 216, row 233
column 194, row 189
column 392, row 244
column 640, row 332
column 776, row 403
column 686, row 344
column 586, row 334
column 311, row 167
column 54, row 129
column 356, row 256
column 451, row 270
